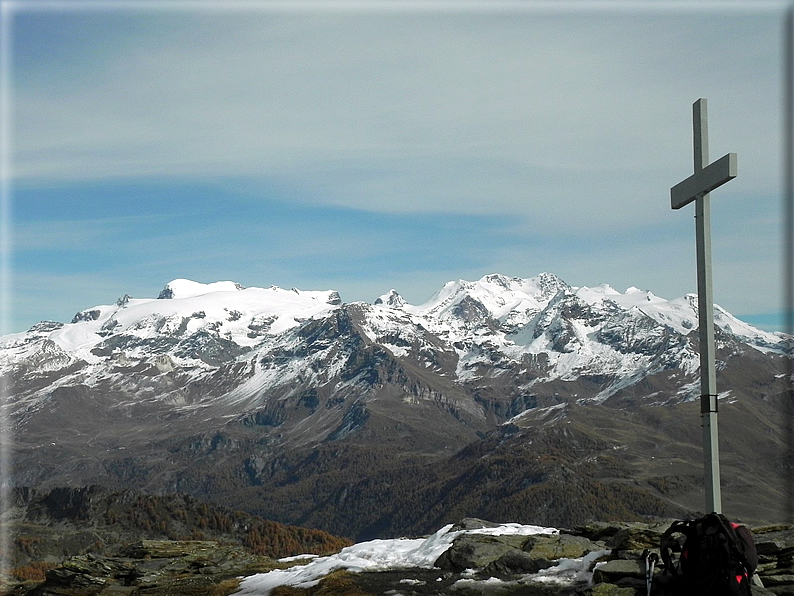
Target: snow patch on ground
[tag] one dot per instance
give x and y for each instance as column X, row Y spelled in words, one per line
column 375, row 555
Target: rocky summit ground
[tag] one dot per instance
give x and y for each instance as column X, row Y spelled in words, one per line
column 474, row 565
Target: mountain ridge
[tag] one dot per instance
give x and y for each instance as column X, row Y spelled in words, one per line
column 230, row 393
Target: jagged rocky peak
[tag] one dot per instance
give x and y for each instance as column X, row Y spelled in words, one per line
column 501, row 280
column 45, row 327
column 392, row 299
column 87, row 315
column 470, row 310
column 511, row 301
column 549, row 285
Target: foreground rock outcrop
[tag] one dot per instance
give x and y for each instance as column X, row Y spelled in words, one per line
column 775, row 545
column 153, row 567
column 597, row 559
column 46, row 526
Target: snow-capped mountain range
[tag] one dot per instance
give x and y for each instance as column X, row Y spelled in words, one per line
column 268, row 372
column 496, row 320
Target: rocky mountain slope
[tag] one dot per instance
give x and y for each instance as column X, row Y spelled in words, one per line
column 493, row 398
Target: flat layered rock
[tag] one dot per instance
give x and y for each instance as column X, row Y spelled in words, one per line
column 164, row 549
column 154, row 568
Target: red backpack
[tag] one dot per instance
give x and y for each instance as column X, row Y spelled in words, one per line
column 717, row 557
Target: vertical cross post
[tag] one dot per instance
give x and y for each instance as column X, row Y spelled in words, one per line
column 708, row 376
column 696, row 188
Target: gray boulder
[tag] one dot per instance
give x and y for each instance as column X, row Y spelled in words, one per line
column 475, row 551
column 559, row 546
column 514, row 563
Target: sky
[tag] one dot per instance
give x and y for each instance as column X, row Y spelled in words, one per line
column 364, row 146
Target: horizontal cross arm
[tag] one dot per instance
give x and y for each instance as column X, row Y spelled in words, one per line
column 714, row 175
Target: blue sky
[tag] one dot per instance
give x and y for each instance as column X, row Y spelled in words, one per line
column 366, row 146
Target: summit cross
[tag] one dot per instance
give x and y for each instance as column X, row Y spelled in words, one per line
column 696, row 188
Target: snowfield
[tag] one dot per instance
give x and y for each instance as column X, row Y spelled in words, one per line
column 404, row 553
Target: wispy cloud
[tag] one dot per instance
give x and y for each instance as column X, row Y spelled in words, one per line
column 442, row 112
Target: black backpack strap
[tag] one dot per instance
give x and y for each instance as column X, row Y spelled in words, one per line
column 748, row 547
column 667, row 543
column 738, row 543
